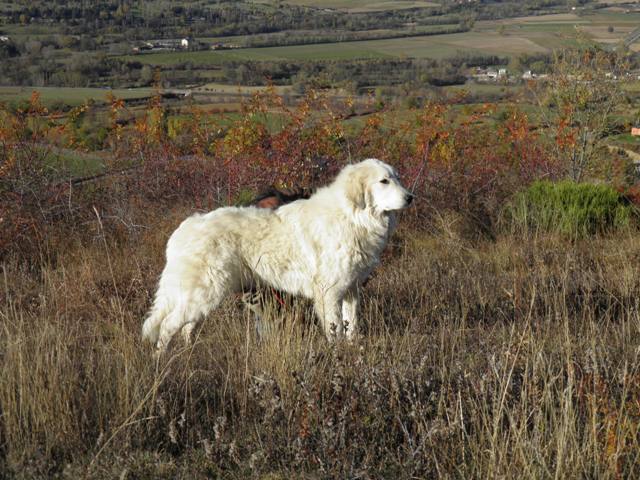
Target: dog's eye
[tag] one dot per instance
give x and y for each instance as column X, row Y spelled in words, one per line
column 384, row 180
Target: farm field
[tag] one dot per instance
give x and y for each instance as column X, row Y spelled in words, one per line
column 70, row 95
column 484, row 88
column 533, row 34
column 237, row 89
column 30, row 30
column 434, row 46
column 355, row 6
column 558, row 30
column 328, row 51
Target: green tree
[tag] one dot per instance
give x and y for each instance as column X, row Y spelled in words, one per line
column 146, row 75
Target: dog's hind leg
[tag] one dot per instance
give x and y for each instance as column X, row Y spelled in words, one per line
column 184, row 318
column 187, row 331
column 173, row 322
column 188, row 312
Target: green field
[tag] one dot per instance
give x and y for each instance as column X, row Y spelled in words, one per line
column 363, row 5
column 562, row 30
column 505, row 37
column 632, row 86
column 624, row 139
column 326, row 51
column 69, row 95
column 35, row 30
column 435, row 46
column 485, row 88
column 221, row 88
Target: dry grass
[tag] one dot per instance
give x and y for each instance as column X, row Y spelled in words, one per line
column 515, row 358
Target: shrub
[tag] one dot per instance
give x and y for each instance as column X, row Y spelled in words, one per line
column 569, row 208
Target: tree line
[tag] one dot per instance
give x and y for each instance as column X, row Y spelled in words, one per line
column 158, row 19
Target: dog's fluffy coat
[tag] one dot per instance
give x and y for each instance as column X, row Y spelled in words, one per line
column 322, row 248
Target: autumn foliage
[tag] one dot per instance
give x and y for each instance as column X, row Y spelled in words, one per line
column 156, row 159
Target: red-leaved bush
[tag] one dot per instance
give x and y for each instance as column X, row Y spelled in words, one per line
column 160, row 159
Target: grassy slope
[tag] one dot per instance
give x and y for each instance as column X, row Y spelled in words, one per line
column 504, row 359
column 69, row 95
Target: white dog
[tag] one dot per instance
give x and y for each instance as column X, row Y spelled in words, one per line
column 322, row 248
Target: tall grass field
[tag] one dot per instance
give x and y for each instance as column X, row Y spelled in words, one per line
column 507, row 359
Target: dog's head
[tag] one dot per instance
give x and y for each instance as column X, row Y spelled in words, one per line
column 372, row 184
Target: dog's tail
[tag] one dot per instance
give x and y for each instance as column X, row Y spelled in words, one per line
column 151, row 326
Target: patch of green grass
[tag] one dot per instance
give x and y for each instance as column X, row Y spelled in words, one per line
column 69, row 95
column 608, row 16
column 31, row 29
column 632, row 86
column 568, row 208
column 555, row 27
column 364, row 5
column 222, row 88
column 625, row 138
column 485, row 88
column 68, row 163
column 325, row 51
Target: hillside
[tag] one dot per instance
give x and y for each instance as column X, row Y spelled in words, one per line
column 126, row 45
column 498, row 337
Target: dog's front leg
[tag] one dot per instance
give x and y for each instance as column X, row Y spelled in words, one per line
column 350, row 312
column 328, row 308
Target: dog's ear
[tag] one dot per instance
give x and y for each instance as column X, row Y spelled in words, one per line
column 356, row 189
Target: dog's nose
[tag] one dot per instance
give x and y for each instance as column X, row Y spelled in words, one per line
column 409, row 198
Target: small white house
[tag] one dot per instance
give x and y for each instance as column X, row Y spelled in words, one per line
column 184, row 43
